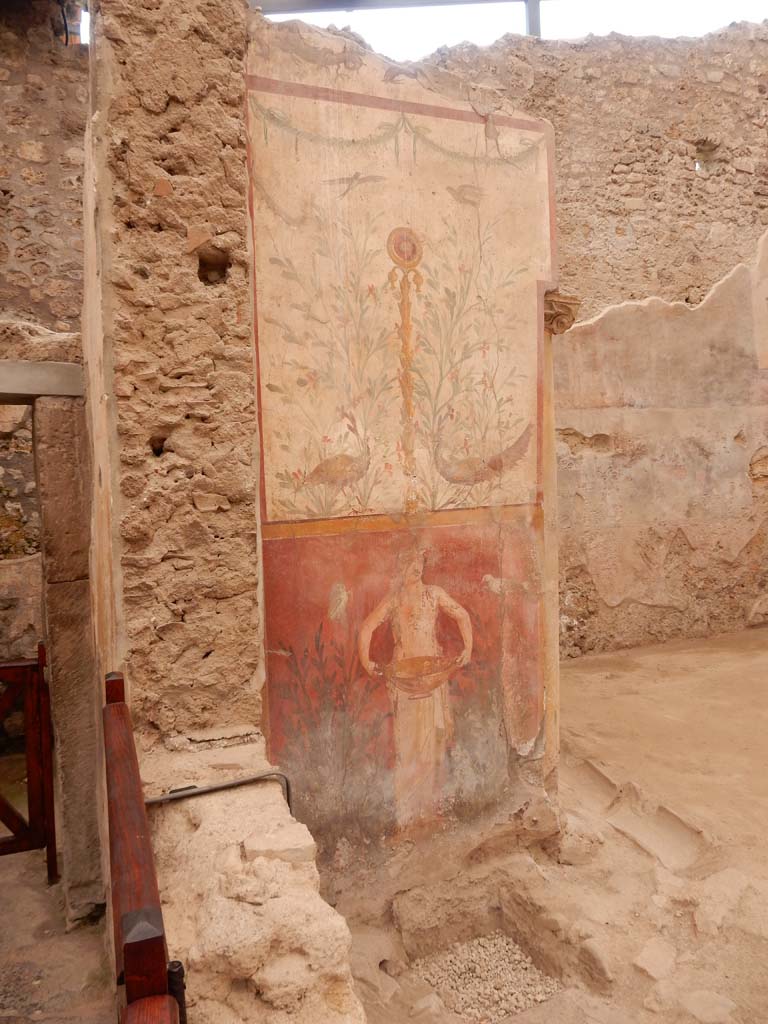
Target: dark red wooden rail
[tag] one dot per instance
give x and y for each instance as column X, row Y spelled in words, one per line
column 141, row 952
column 25, row 683
column 152, row 1010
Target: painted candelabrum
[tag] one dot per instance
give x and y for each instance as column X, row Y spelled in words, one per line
column 405, row 251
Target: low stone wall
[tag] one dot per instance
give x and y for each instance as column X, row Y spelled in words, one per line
column 241, row 905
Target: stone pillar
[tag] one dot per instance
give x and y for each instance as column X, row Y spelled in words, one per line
column 63, row 479
column 168, row 345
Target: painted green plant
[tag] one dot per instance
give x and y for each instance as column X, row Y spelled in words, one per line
column 464, row 365
column 335, row 736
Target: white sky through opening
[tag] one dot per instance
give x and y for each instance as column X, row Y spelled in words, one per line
column 412, row 33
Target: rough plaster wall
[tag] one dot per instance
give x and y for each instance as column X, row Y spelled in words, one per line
column 662, row 430
column 632, row 116
column 170, row 166
column 662, row 188
column 43, row 102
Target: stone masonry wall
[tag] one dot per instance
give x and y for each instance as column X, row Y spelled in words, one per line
column 21, row 611
column 43, row 103
column 19, row 518
column 20, row 572
column 662, row 189
column 662, row 153
column 178, row 424
column 21, row 583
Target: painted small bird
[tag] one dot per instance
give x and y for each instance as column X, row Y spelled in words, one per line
column 353, row 181
column 477, row 470
column 467, row 195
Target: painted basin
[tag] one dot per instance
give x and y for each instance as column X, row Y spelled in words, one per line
column 418, row 677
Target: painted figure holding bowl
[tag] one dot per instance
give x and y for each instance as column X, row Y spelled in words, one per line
column 417, row 681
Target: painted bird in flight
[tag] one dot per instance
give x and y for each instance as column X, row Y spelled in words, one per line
column 467, row 195
column 353, row 181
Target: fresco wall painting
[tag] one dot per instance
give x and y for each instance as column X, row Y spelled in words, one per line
column 402, row 242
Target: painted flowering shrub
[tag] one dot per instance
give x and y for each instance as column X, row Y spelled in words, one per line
column 333, row 375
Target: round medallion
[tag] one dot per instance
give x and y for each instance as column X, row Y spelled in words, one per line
column 404, row 248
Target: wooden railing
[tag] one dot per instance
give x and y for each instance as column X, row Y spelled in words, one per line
column 152, row 1010
column 141, row 951
column 25, row 686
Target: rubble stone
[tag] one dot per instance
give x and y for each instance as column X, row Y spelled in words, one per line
column 708, row 1007
column 657, row 958
column 485, row 979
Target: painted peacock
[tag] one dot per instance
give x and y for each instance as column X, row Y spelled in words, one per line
column 476, row 470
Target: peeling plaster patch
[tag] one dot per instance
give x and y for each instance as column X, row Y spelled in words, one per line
column 497, row 585
column 337, row 603
column 578, row 442
column 758, row 466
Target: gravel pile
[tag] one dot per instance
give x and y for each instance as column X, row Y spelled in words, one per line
column 487, row 979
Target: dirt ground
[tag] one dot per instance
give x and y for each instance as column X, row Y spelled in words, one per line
column 652, row 906
column 46, row 973
column 686, row 721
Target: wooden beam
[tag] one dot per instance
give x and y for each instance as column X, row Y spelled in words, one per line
column 23, row 380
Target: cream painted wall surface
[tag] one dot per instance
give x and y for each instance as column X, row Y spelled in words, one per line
column 346, row 151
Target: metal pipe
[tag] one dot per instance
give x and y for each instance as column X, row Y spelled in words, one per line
column 185, row 792
column 177, row 987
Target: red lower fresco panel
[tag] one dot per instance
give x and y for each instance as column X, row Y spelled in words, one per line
column 404, row 669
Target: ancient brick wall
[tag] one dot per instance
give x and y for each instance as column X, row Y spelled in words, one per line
column 43, row 103
column 168, row 337
column 662, row 153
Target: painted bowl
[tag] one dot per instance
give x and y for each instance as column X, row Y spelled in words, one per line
column 418, row 677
